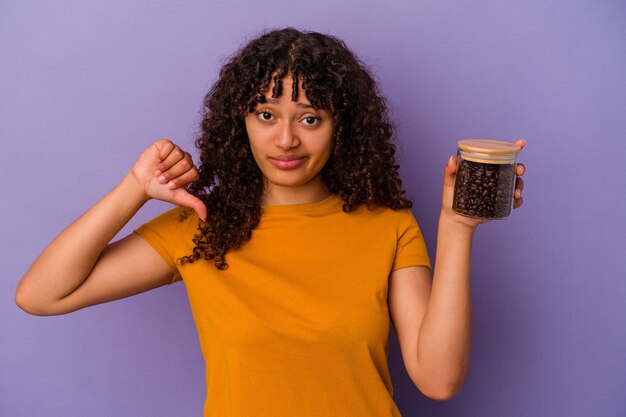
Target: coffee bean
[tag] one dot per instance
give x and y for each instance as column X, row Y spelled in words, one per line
column 483, row 190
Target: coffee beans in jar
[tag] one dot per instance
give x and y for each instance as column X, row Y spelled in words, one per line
column 485, row 178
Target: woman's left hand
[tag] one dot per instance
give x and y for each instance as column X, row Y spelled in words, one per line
column 448, row 191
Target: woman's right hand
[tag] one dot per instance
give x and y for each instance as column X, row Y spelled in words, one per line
column 163, row 172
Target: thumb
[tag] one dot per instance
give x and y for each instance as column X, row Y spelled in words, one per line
column 449, row 171
column 183, row 198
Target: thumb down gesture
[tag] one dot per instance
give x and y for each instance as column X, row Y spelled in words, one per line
column 163, row 172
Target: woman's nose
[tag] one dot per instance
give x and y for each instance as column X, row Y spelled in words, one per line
column 287, row 137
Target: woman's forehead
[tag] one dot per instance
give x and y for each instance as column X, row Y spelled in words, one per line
column 273, row 95
column 285, row 94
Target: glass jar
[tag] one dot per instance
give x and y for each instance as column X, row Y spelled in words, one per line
column 485, row 178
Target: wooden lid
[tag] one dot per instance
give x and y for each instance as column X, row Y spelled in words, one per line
column 487, row 146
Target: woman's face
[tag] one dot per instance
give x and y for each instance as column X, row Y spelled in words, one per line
column 290, row 140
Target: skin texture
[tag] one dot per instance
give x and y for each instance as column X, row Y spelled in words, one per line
column 284, row 127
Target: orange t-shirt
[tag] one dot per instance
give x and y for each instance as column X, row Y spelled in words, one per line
column 298, row 325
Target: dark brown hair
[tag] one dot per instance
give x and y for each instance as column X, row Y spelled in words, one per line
column 361, row 168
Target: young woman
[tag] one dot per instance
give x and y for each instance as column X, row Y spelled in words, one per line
column 293, row 238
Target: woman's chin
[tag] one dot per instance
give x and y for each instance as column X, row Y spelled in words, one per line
column 288, row 179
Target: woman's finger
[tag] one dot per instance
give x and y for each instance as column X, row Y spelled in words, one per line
column 163, row 148
column 520, row 169
column 179, row 168
column 186, row 178
column 518, row 202
column 175, row 155
column 183, row 198
column 519, row 186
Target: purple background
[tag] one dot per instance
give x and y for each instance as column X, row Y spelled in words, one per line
column 86, row 86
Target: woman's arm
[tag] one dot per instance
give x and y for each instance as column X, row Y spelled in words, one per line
column 433, row 321
column 433, row 318
column 80, row 268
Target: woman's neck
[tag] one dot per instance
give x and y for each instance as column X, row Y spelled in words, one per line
column 308, row 193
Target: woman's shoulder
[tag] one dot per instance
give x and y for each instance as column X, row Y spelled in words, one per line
column 381, row 210
column 177, row 214
column 383, row 215
column 175, row 219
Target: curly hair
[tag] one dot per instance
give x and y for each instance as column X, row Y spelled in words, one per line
column 361, row 168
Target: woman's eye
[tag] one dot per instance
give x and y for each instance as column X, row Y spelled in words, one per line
column 265, row 115
column 311, row 120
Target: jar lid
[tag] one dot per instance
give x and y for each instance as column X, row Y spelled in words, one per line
column 487, row 146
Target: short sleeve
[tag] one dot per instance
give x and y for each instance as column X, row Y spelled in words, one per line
column 165, row 233
column 411, row 248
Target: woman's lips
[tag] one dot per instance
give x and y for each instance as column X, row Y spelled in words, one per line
column 290, row 164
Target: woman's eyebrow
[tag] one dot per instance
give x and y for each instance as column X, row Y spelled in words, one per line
column 298, row 103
